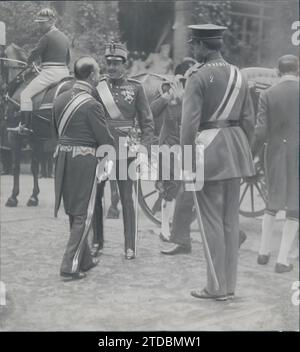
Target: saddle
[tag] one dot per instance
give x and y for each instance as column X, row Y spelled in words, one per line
column 43, row 105
column 44, row 99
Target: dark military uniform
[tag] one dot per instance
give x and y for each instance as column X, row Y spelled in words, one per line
column 278, row 125
column 75, row 171
column 217, row 109
column 131, row 101
column 170, row 115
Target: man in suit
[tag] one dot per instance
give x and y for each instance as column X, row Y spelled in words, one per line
column 278, row 126
column 218, row 113
column 126, row 106
column 80, row 125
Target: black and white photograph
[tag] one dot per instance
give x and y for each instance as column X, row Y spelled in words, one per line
column 149, row 160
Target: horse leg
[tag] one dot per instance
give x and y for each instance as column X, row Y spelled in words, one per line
column 35, row 159
column 12, row 201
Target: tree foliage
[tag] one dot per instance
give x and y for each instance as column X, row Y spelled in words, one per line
column 88, row 24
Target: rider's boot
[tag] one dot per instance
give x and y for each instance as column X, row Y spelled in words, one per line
column 26, row 120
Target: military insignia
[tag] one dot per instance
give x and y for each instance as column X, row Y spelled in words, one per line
column 112, row 48
column 128, row 95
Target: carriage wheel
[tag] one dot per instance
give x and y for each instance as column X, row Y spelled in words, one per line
column 150, row 200
column 253, row 194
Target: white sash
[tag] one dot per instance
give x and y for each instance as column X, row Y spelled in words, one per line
column 206, row 137
column 80, row 99
column 108, row 101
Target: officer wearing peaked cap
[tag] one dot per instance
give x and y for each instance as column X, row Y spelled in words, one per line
column 218, row 113
column 125, row 103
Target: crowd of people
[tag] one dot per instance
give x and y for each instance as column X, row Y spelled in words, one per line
column 207, row 104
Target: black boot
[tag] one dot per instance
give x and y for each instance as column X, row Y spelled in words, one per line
column 26, row 122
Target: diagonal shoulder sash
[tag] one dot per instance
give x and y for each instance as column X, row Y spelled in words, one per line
column 79, row 99
column 108, row 101
column 206, row 137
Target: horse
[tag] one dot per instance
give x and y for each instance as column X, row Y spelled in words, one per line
column 40, row 129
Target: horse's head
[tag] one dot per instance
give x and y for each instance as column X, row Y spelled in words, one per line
column 15, row 60
column 15, row 52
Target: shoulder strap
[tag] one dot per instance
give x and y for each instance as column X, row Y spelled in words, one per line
column 65, row 117
column 108, row 101
column 231, row 93
column 232, row 96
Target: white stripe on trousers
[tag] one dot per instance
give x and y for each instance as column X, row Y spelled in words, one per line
column 87, row 225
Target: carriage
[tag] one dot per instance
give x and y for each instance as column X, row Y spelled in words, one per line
column 253, row 189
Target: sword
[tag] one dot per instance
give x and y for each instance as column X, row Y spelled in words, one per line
column 204, row 240
column 136, row 208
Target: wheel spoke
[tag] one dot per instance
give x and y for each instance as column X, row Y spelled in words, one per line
column 243, row 195
column 260, row 192
column 150, row 194
column 252, row 198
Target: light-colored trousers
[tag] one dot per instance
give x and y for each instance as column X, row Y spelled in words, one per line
column 219, row 206
column 48, row 75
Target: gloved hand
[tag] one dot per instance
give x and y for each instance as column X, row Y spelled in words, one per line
column 107, row 171
column 142, row 165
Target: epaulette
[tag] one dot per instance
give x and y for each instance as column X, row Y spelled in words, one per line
column 133, row 80
column 104, row 77
column 193, row 69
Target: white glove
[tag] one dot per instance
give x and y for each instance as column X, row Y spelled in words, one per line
column 108, row 167
column 107, row 171
column 142, row 163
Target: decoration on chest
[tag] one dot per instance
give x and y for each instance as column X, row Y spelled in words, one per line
column 128, row 95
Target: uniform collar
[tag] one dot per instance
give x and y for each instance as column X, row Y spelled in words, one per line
column 289, row 78
column 117, row 81
column 52, row 28
column 215, row 55
column 83, row 85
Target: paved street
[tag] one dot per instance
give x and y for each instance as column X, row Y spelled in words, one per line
column 149, row 293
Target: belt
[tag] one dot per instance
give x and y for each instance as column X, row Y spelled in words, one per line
column 218, row 124
column 75, row 149
column 121, row 123
column 54, row 64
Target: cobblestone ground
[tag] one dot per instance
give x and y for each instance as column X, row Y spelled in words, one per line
column 149, row 293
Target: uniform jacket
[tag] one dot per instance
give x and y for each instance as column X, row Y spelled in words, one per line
column 228, row 155
column 74, row 175
column 278, row 126
column 170, row 114
column 129, row 96
column 52, row 47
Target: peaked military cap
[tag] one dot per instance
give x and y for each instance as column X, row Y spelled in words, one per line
column 45, row 15
column 206, row 31
column 116, row 51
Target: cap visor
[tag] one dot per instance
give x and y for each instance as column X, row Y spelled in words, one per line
column 114, row 58
column 41, row 20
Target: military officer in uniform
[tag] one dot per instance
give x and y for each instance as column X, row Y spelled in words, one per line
column 125, row 103
column 218, row 113
column 79, row 122
column 278, row 125
column 54, row 53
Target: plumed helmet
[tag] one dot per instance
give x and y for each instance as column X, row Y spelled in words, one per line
column 45, row 15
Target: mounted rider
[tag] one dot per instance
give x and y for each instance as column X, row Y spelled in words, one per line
column 54, row 53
